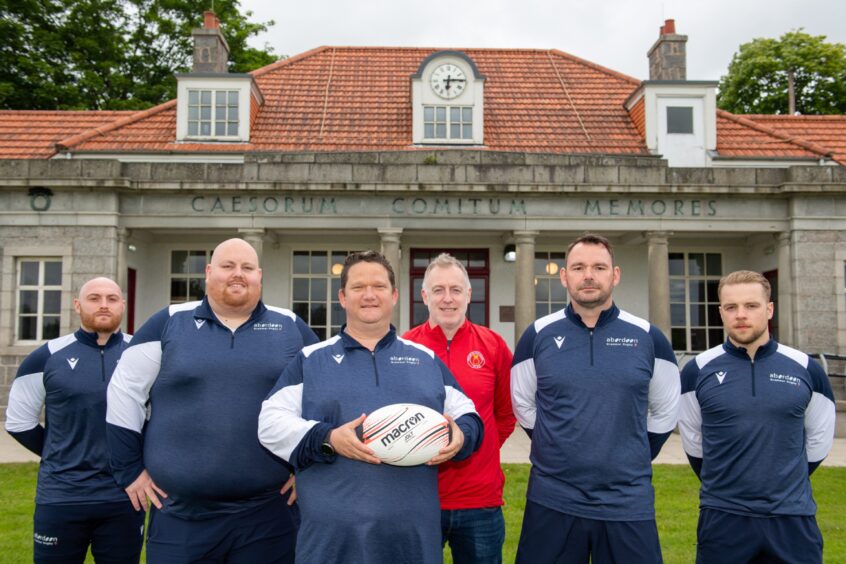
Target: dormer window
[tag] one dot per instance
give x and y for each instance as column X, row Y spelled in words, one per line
column 447, row 97
column 212, row 111
column 679, row 119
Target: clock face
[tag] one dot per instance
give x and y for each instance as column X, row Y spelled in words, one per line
column 448, row 81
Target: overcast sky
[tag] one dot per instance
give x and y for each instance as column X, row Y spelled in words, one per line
column 613, row 33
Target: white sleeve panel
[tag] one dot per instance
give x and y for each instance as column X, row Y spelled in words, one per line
column 819, row 427
column 281, row 426
column 664, row 392
column 690, row 424
column 129, row 388
column 524, row 387
column 457, row 404
column 26, row 399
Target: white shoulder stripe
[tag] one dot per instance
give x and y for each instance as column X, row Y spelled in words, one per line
column 634, row 320
column 425, row 349
column 704, row 358
column 322, row 344
column 187, row 306
column 127, row 338
column 549, row 319
column 283, row 311
column 59, row 343
column 797, row 356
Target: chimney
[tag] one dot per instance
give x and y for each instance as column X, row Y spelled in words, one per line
column 667, row 57
column 211, row 53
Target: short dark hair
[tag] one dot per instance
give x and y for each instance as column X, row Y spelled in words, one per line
column 745, row 277
column 591, row 239
column 366, row 256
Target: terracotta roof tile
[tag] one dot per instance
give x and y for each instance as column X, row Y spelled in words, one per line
column 34, row 134
column 825, row 131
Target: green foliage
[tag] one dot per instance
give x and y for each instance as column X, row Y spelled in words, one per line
column 757, row 79
column 109, row 54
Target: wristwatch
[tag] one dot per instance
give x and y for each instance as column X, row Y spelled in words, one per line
column 327, row 449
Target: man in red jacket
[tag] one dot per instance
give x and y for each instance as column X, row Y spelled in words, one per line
column 470, row 490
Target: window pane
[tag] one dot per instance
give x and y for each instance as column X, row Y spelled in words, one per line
column 557, row 293
column 697, row 314
column 319, row 262
column 421, row 314
column 233, row 97
column 542, row 289
column 205, row 97
column 300, row 262
column 336, row 286
column 441, row 113
column 50, row 328
column 29, row 301
column 679, row 339
column 476, row 313
column 300, row 289
column 52, row 301
column 541, row 310
column 428, row 113
column 318, row 314
column 676, row 264
column 467, row 131
column 178, row 289
column 232, row 114
column 220, row 129
column 478, row 287
column 440, row 131
column 712, row 291
column 677, row 315
column 29, row 273
column 193, row 97
column 455, row 114
column 714, row 315
column 301, row 309
column 715, row 264
column 178, row 262
column 428, row 131
column 696, row 264
column 193, row 128
column 417, row 285
column 197, row 262
column 467, row 114
column 679, row 119
column 540, row 264
column 193, row 113
column 205, row 129
column 339, row 316
column 715, row 337
column 232, row 129
column 477, row 259
column 205, row 113
column 677, row 290
column 318, row 289
column 196, row 289
column 455, row 131
column 697, row 290
column 27, row 328
column 698, row 339
column 53, row 273
column 220, row 113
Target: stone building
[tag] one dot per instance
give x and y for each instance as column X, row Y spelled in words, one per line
column 499, row 156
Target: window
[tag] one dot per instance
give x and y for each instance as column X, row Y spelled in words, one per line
column 550, row 294
column 679, row 119
column 478, row 270
column 447, row 122
column 694, row 305
column 39, row 299
column 212, row 113
column 188, row 275
column 316, row 282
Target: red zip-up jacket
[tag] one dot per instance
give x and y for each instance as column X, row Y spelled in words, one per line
column 481, row 362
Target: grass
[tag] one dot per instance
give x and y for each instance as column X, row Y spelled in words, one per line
column 676, row 494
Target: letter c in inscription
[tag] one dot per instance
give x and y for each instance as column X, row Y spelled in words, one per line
column 196, row 203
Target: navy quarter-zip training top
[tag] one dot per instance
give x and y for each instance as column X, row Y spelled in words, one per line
column 599, row 403
column 68, row 376
column 755, row 426
column 205, row 384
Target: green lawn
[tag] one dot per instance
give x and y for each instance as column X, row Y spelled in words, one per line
column 675, row 491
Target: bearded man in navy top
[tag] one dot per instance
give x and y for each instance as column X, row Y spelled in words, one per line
column 77, row 501
column 756, row 419
column 202, row 369
column 597, row 389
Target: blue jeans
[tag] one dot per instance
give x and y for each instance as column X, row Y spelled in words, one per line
column 475, row 536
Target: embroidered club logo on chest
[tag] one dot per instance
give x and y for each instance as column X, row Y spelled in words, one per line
column 785, row 379
column 72, row 362
column 475, row 360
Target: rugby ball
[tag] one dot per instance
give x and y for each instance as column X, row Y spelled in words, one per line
column 405, row 434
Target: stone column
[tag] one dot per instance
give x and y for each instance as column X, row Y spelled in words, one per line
column 254, row 237
column 524, row 287
column 659, row 280
column 390, row 237
column 785, row 290
column 121, row 262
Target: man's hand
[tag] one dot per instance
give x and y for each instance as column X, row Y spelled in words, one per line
column 345, row 442
column 144, row 488
column 453, row 447
column 290, row 485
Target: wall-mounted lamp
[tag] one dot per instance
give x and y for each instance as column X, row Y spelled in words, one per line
column 132, row 248
column 510, row 253
column 337, row 268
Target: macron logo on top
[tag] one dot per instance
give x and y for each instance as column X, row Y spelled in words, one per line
column 338, row 358
column 72, row 362
column 721, row 375
column 199, row 322
column 559, row 341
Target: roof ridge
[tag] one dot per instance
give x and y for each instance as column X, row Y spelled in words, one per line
column 808, row 145
column 785, row 117
column 66, row 144
column 285, row 62
column 606, row 70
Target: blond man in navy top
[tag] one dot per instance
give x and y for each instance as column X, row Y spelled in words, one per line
column 756, row 419
column 77, row 502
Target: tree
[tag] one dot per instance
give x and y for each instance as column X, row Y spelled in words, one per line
column 796, row 73
column 109, row 54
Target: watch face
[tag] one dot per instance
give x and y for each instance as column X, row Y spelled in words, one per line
column 448, row 81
